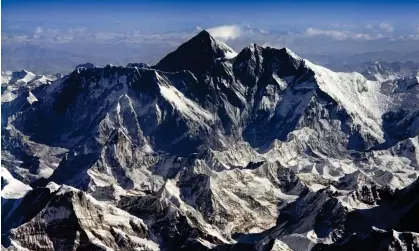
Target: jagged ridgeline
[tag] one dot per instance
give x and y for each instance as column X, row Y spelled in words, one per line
column 210, row 149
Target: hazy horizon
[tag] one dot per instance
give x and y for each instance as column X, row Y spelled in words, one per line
column 50, row 36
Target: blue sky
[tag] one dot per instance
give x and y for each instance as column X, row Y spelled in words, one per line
column 98, row 14
column 89, row 28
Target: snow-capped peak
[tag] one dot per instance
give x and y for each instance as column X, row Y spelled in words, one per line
column 196, row 55
column 86, row 65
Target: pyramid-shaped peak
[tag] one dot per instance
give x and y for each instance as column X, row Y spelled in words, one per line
column 196, row 55
column 203, row 34
column 205, row 37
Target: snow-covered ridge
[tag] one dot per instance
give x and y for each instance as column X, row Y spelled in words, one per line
column 15, row 83
column 12, row 188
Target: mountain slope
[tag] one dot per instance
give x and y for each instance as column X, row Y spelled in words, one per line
column 105, row 227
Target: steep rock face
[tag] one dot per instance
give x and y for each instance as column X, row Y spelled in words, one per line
column 196, row 55
column 399, row 208
column 13, row 196
column 175, row 229
column 332, row 219
column 133, row 96
column 219, row 204
column 378, row 240
column 232, row 199
column 105, row 227
column 400, row 123
column 19, row 92
column 119, row 162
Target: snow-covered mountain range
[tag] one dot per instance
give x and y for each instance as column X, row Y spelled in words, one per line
column 384, row 70
column 210, row 149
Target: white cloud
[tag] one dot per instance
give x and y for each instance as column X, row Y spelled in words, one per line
column 38, row 30
column 335, row 25
column 42, row 34
column 368, row 26
column 342, row 34
column 77, row 30
column 225, row 32
column 386, row 27
column 414, row 36
column 343, row 26
column 339, row 35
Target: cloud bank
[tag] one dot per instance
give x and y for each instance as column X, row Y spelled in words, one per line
column 343, row 34
column 225, row 32
column 386, row 27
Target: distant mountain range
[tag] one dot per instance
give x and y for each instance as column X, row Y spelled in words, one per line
column 44, row 56
column 210, row 149
column 384, row 70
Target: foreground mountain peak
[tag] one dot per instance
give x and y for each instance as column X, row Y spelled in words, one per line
column 195, row 55
column 203, row 34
